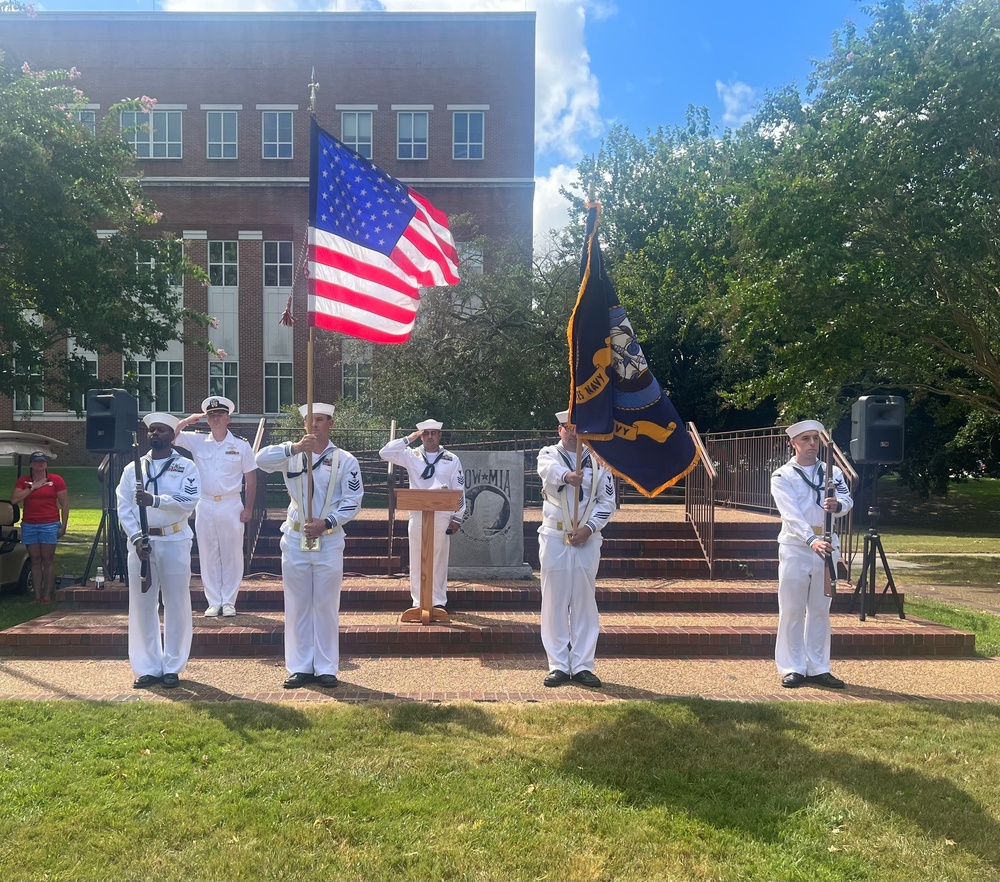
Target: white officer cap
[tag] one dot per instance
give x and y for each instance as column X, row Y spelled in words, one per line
column 164, row 419
column 217, row 404
column 318, row 407
column 798, row 428
column 430, row 424
column 562, row 417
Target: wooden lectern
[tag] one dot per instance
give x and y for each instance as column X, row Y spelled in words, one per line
column 428, row 502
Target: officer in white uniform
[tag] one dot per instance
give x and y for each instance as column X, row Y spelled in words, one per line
column 312, row 546
column 802, row 648
column 224, row 462
column 571, row 555
column 171, row 488
column 429, row 467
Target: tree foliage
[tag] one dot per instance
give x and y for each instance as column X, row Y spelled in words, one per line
column 59, row 281
column 868, row 255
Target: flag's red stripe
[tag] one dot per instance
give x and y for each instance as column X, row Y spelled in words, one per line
column 432, row 254
column 366, row 302
column 354, row 329
column 349, row 265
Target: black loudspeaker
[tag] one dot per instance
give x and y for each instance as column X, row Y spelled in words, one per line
column 112, row 417
column 877, row 429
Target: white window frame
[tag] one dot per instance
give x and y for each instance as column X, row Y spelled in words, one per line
column 150, row 374
column 150, row 133
column 412, row 144
column 224, row 379
column 226, row 145
column 277, row 142
column 219, row 263
column 468, row 146
column 284, row 270
column 355, row 140
column 279, row 373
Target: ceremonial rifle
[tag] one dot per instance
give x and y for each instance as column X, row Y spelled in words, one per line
column 143, row 521
column 830, row 575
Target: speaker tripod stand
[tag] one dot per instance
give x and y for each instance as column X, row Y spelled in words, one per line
column 866, row 589
column 109, row 538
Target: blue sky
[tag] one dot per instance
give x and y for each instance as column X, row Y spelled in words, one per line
column 601, row 62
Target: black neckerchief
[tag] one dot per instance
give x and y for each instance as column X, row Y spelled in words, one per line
column 819, row 487
column 324, row 458
column 429, row 466
column 153, row 479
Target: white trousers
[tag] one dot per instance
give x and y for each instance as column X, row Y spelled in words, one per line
column 570, row 621
column 220, row 548
column 803, row 642
column 149, row 651
column 442, row 550
column 312, row 581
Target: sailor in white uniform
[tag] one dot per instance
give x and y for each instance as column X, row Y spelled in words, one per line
column 171, row 488
column 429, row 467
column 312, row 546
column 225, row 462
column 802, row 648
column 571, row 555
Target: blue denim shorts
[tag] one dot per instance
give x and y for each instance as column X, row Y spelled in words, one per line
column 40, row 534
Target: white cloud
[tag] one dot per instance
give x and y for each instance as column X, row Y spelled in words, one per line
column 551, row 208
column 738, row 99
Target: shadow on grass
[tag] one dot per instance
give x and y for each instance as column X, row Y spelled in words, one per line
column 421, row 717
column 742, row 767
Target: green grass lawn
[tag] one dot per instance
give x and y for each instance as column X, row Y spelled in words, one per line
column 684, row 789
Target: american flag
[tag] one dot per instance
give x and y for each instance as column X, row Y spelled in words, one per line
column 373, row 244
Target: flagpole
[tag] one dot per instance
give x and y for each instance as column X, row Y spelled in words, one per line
column 313, row 86
column 591, row 193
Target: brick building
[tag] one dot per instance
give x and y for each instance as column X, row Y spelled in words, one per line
column 443, row 101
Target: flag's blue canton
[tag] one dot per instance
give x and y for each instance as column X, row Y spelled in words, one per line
column 357, row 200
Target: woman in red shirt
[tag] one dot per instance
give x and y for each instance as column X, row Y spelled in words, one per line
column 43, row 497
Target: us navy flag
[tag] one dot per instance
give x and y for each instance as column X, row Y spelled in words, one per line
column 616, row 404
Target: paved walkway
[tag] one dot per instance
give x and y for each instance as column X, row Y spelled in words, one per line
column 506, row 678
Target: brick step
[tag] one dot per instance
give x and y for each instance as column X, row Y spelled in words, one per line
column 64, row 634
column 265, row 595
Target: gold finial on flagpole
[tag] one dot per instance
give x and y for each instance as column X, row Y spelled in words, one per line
column 313, row 86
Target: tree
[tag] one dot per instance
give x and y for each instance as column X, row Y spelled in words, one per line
column 490, row 352
column 868, row 219
column 60, row 282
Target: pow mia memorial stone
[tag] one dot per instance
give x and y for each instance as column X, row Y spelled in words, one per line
column 490, row 544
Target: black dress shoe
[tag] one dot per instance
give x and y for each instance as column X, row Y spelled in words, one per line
column 170, row 681
column 145, row 681
column 793, row 680
column 297, row 680
column 556, row 678
column 329, row 681
column 827, row 680
column 587, row 678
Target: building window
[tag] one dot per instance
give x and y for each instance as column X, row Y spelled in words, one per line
column 222, row 134
column 356, row 131
column 169, row 249
column 356, row 370
column 224, row 263
column 470, row 258
column 467, row 138
column 277, row 128
column 224, row 380
column 89, row 119
column 277, row 264
column 161, row 386
column 278, row 392
column 411, row 135
column 28, row 403
column 155, row 135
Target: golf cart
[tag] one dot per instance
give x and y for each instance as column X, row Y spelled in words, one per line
column 15, row 565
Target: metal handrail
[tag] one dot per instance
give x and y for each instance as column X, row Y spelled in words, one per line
column 699, row 499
